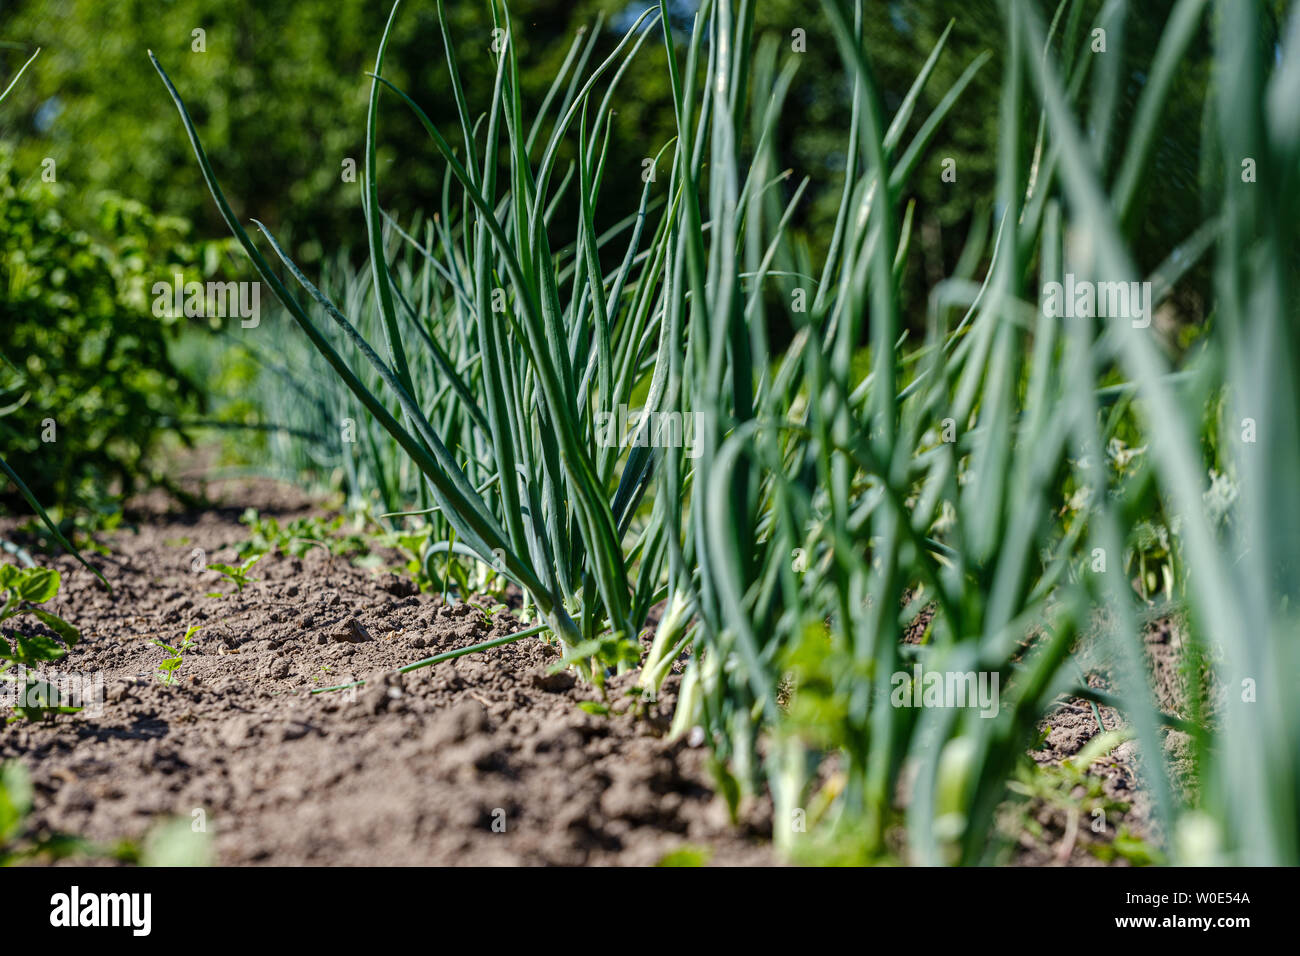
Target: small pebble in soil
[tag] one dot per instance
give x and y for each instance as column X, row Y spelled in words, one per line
column 351, row 631
column 275, row 668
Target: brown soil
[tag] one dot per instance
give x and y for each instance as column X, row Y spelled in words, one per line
column 1067, row 837
column 417, row 769
column 428, row 767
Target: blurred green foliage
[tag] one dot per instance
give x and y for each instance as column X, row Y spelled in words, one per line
column 279, row 92
column 85, row 378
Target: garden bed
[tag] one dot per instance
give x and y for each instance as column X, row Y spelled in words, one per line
column 488, row 758
column 424, row 768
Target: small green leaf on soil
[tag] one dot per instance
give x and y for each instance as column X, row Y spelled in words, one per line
column 688, row 855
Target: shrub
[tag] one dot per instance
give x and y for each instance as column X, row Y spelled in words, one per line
column 87, row 382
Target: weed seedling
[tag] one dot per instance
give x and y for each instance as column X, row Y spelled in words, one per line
column 237, row 574
column 23, row 589
column 297, row 537
column 489, row 612
column 167, row 669
column 17, row 841
column 21, row 843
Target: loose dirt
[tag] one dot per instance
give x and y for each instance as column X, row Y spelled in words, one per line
column 1060, row 826
column 486, row 759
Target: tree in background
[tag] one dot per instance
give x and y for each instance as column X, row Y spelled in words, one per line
column 280, row 92
column 87, row 386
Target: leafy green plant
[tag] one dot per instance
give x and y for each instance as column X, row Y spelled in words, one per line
column 686, row 855
column 80, row 527
column 15, row 803
column 298, row 536
column 8, row 393
column 168, row 668
column 488, row 612
column 174, row 843
column 17, row 843
column 170, row 843
column 24, row 589
column 85, row 402
column 236, row 574
column 1070, row 791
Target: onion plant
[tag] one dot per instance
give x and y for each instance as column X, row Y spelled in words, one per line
column 858, row 505
column 885, row 515
column 547, row 342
